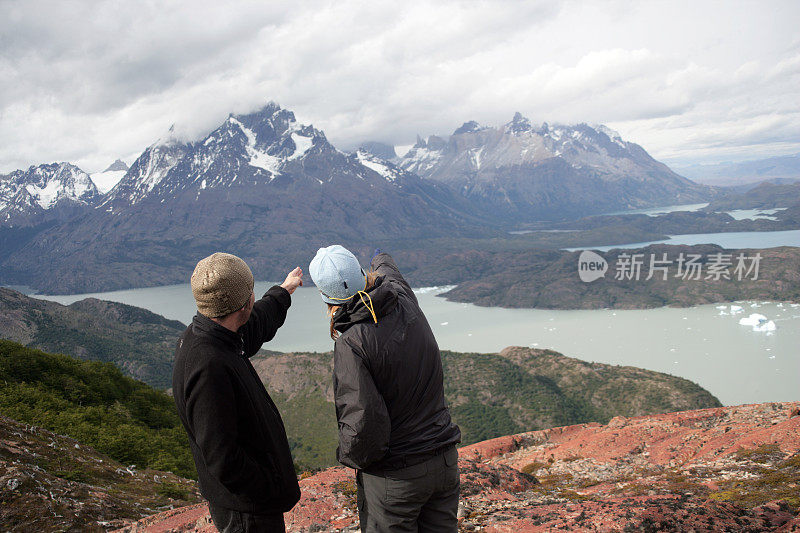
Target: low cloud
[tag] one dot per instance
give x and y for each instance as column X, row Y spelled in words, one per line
column 95, row 81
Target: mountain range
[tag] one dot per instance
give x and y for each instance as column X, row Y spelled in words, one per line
column 527, row 172
column 272, row 190
column 776, row 169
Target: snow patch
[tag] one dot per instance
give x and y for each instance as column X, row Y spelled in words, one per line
column 302, row 145
column 381, row 169
column 258, row 159
column 47, row 195
column 105, row 181
column 421, row 159
column 476, row 157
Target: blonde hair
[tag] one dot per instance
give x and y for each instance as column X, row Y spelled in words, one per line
column 371, row 277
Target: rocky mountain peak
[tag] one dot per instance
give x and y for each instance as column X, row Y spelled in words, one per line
column 116, row 166
column 469, row 127
column 247, row 149
column 149, row 169
column 107, row 179
column 54, row 182
column 516, row 169
column 518, row 124
column 436, row 143
column 26, row 195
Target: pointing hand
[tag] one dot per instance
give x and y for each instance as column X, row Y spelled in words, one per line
column 293, row 280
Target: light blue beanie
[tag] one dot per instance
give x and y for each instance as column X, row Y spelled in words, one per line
column 337, row 274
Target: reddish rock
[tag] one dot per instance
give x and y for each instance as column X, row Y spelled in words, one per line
column 721, row 469
column 191, row 518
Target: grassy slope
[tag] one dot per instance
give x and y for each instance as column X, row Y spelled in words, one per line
column 95, row 404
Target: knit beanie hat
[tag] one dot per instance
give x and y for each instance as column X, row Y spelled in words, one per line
column 337, row 274
column 221, row 284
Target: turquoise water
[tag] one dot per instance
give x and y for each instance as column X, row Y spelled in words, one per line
column 705, row 344
column 655, row 211
column 734, row 240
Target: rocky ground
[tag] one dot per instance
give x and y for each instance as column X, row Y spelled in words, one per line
column 719, row 469
column 49, row 482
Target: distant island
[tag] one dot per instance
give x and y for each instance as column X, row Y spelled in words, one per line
column 548, row 279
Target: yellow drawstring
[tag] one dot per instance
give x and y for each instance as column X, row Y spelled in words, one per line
column 370, row 306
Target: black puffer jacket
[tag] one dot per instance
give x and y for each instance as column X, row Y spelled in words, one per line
column 235, row 432
column 388, row 382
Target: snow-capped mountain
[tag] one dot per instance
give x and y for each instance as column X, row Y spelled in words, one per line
column 247, row 150
column 548, row 171
column 146, row 172
column 44, row 192
column 262, row 150
column 260, row 185
column 107, row 179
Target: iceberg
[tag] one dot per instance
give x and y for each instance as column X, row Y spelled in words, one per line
column 767, row 327
column 759, row 323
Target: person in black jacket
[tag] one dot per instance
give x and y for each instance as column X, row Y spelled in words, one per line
column 236, row 434
column 394, row 426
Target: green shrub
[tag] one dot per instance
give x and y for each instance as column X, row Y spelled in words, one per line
column 96, row 404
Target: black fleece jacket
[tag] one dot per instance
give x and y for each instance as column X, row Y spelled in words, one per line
column 235, row 432
column 387, row 378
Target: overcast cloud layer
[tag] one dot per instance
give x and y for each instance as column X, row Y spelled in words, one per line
column 691, row 82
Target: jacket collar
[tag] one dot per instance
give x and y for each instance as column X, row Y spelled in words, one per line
column 384, row 300
column 203, row 326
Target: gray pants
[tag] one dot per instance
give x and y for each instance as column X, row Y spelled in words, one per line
column 419, row 498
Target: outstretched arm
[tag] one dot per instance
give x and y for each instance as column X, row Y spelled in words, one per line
column 384, row 265
column 269, row 313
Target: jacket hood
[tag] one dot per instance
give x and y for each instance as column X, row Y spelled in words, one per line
column 384, row 299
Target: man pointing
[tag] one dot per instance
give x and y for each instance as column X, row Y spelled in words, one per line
column 236, row 434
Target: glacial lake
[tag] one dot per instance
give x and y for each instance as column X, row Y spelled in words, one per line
column 706, row 344
column 734, row 240
column 663, row 210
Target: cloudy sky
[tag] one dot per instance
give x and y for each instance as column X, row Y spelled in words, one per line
column 695, row 81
